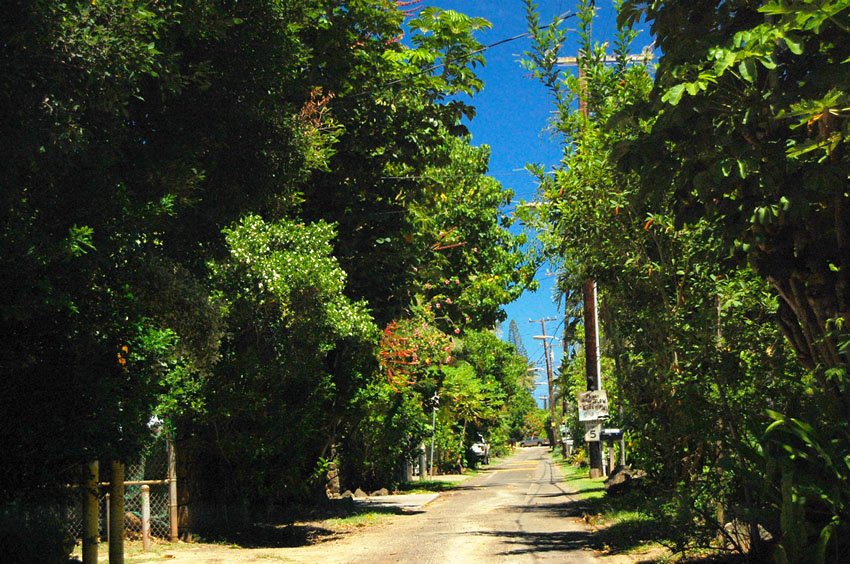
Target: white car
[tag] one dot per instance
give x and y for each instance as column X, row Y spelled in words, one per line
column 481, row 449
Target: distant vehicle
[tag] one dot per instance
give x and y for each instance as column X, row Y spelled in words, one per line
column 533, row 441
column 481, row 449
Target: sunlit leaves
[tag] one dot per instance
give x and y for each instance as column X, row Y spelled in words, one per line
column 289, row 265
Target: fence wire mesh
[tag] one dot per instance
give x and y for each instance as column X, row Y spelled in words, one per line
column 153, row 465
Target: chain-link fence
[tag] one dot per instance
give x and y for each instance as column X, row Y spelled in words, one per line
column 152, row 468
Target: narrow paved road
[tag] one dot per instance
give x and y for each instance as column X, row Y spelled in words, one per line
column 516, row 511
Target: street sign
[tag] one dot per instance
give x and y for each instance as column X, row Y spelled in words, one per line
column 592, row 405
column 592, row 432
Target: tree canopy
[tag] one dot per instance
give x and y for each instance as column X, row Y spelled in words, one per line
column 707, row 197
column 210, row 212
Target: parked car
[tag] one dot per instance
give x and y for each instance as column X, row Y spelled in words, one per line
column 533, row 441
column 481, row 449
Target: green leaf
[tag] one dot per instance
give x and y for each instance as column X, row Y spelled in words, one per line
column 794, row 43
column 748, row 70
column 823, row 542
column 674, row 95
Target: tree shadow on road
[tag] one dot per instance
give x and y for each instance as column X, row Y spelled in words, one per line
column 633, row 528
column 267, row 535
column 537, row 542
column 303, row 526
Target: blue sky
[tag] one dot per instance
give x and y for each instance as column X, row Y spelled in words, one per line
column 512, row 116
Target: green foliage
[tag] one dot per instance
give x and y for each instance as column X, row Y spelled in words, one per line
column 471, row 264
column 118, row 161
column 813, row 469
column 393, row 426
column 534, row 423
column 296, row 353
column 750, row 134
column 757, row 109
column 695, row 357
column 174, row 177
column 34, row 532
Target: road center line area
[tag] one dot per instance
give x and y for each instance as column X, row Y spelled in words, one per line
column 519, row 510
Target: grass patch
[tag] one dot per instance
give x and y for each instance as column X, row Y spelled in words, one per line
column 577, row 479
column 428, row 486
column 623, row 523
column 134, row 552
column 359, row 520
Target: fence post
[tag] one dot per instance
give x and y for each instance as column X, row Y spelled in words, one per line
column 172, row 491
column 90, row 512
column 146, row 517
column 116, row 514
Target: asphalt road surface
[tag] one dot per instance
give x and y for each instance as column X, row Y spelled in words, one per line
column 517, row 511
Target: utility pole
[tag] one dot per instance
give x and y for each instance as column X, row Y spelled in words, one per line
column 435, row 401
column 553, row 421
column 591, row 316
column 593, row 372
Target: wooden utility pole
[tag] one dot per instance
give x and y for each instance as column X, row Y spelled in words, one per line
column 91, row 534
column 591, row 317
column 172, row 491
column 593, row 373
column 116, row 513
column 553, row 421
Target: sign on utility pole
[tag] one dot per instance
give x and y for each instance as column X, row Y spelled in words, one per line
column 592, row 410
column 592, row 431
column 592, row 405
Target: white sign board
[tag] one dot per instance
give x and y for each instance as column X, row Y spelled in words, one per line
column 592, row 405
column 592, row 432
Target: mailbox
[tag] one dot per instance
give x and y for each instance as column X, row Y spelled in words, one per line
column 612, row 434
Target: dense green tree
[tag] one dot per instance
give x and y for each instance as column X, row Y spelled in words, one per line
column 469, row 264
column 763, row 148
column 295, row 353
column 751, row 134
column 686, row 322
column 197, row 201
column 391, row 101
column 497, row 361
column 72, row 228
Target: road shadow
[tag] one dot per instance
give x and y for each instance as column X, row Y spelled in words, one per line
column 537, row 542
column 634, row 528
column 301, row 526
column 267, row 535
